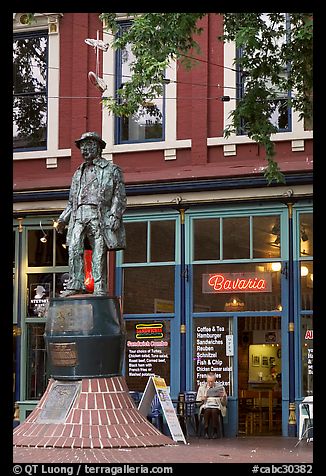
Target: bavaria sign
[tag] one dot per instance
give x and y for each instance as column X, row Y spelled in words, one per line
column 237, row 282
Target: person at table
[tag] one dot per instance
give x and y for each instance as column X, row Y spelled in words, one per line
column 213, row 396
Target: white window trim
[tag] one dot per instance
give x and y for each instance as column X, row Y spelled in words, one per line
column 42, row 22
column 297, row 129
column 108, row 132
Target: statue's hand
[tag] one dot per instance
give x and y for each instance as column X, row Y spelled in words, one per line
column 60, row 226
column 113, row 223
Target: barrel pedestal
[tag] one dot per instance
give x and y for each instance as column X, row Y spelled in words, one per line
column 87, row 402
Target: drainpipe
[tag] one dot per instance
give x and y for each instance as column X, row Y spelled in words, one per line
column 183, row 273
column 19, row 313
column 292, row 417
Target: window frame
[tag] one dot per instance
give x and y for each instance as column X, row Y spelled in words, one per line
column 117, row 85
column 36, row 34
column 240, row 85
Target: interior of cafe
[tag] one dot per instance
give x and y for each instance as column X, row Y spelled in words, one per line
column 259, row 375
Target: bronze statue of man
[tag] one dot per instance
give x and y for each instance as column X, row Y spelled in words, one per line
column 97, row 201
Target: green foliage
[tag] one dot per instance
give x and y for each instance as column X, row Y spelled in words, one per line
column 271, row 65
column 273, row 61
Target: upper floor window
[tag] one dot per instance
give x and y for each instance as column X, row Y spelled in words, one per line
column 281, row 116
column 30, row 90
column 148, row 123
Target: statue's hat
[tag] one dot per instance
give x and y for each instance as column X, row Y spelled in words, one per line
column 90, row 135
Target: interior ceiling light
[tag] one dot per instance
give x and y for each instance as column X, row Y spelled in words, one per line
column 304, row 271
column 276, row 266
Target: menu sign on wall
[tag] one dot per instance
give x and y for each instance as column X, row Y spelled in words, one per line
column 147, row 352
column 212, row 350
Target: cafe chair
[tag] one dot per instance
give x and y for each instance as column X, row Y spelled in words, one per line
column 155, row 416
column 191, row 413
column 201, row 426
column 250, row 415
column 306, row 420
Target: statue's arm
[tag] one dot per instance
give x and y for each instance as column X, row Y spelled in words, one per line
column 119, row 199
column 65, row 215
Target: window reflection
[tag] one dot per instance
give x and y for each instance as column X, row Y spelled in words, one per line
column 236, row 238
column 39, row 253
column 149, row 289
column 30, row 100
column 162, row 240
column 207, row 239
column 136, row 236
column 307, row 284
column 147, row 123
column 306, row 234
column 266, row 236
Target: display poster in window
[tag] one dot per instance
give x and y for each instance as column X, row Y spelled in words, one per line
column 212, row 352
column 309, row 360
column 39, row 294
column 147, row 352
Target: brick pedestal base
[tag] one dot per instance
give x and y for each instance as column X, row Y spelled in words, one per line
column 103, row 415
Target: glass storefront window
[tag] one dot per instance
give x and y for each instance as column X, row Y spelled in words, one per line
column 148, row 345
column 307, row 346
column 61, row 281
column 148, row 289
column 61, row 250
column 236, row 238
column 162, row 240
column 207, row 239
column 35, row 362
column 209, row 351
column 236, row 287
column 266, row 236
column 306, row 234
column 136, row 236
column 306, row 279
column 40, row 253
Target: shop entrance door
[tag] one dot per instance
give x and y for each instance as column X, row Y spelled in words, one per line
column 259, row 376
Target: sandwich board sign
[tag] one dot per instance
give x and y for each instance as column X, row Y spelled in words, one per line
column 156, row 385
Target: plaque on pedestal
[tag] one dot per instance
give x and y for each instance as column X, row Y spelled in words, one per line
column 85, row 337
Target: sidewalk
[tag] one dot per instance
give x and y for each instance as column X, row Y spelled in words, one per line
column 266, row 449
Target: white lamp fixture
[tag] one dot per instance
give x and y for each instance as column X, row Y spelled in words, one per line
column 304, row 271
column 277, row 266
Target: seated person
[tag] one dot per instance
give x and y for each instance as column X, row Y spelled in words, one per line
column 214, row 399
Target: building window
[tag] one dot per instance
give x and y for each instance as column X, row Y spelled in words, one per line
column 213, row 330
column 46, row 276
column 30, row 52
column 147, row 124
column 305, row 305
column 36, row 368
column 282, row 114
column 150, row 253
column 236, row 287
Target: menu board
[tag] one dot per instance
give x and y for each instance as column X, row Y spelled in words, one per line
column 157, row 385
column 212, row 350
column 147, row 352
